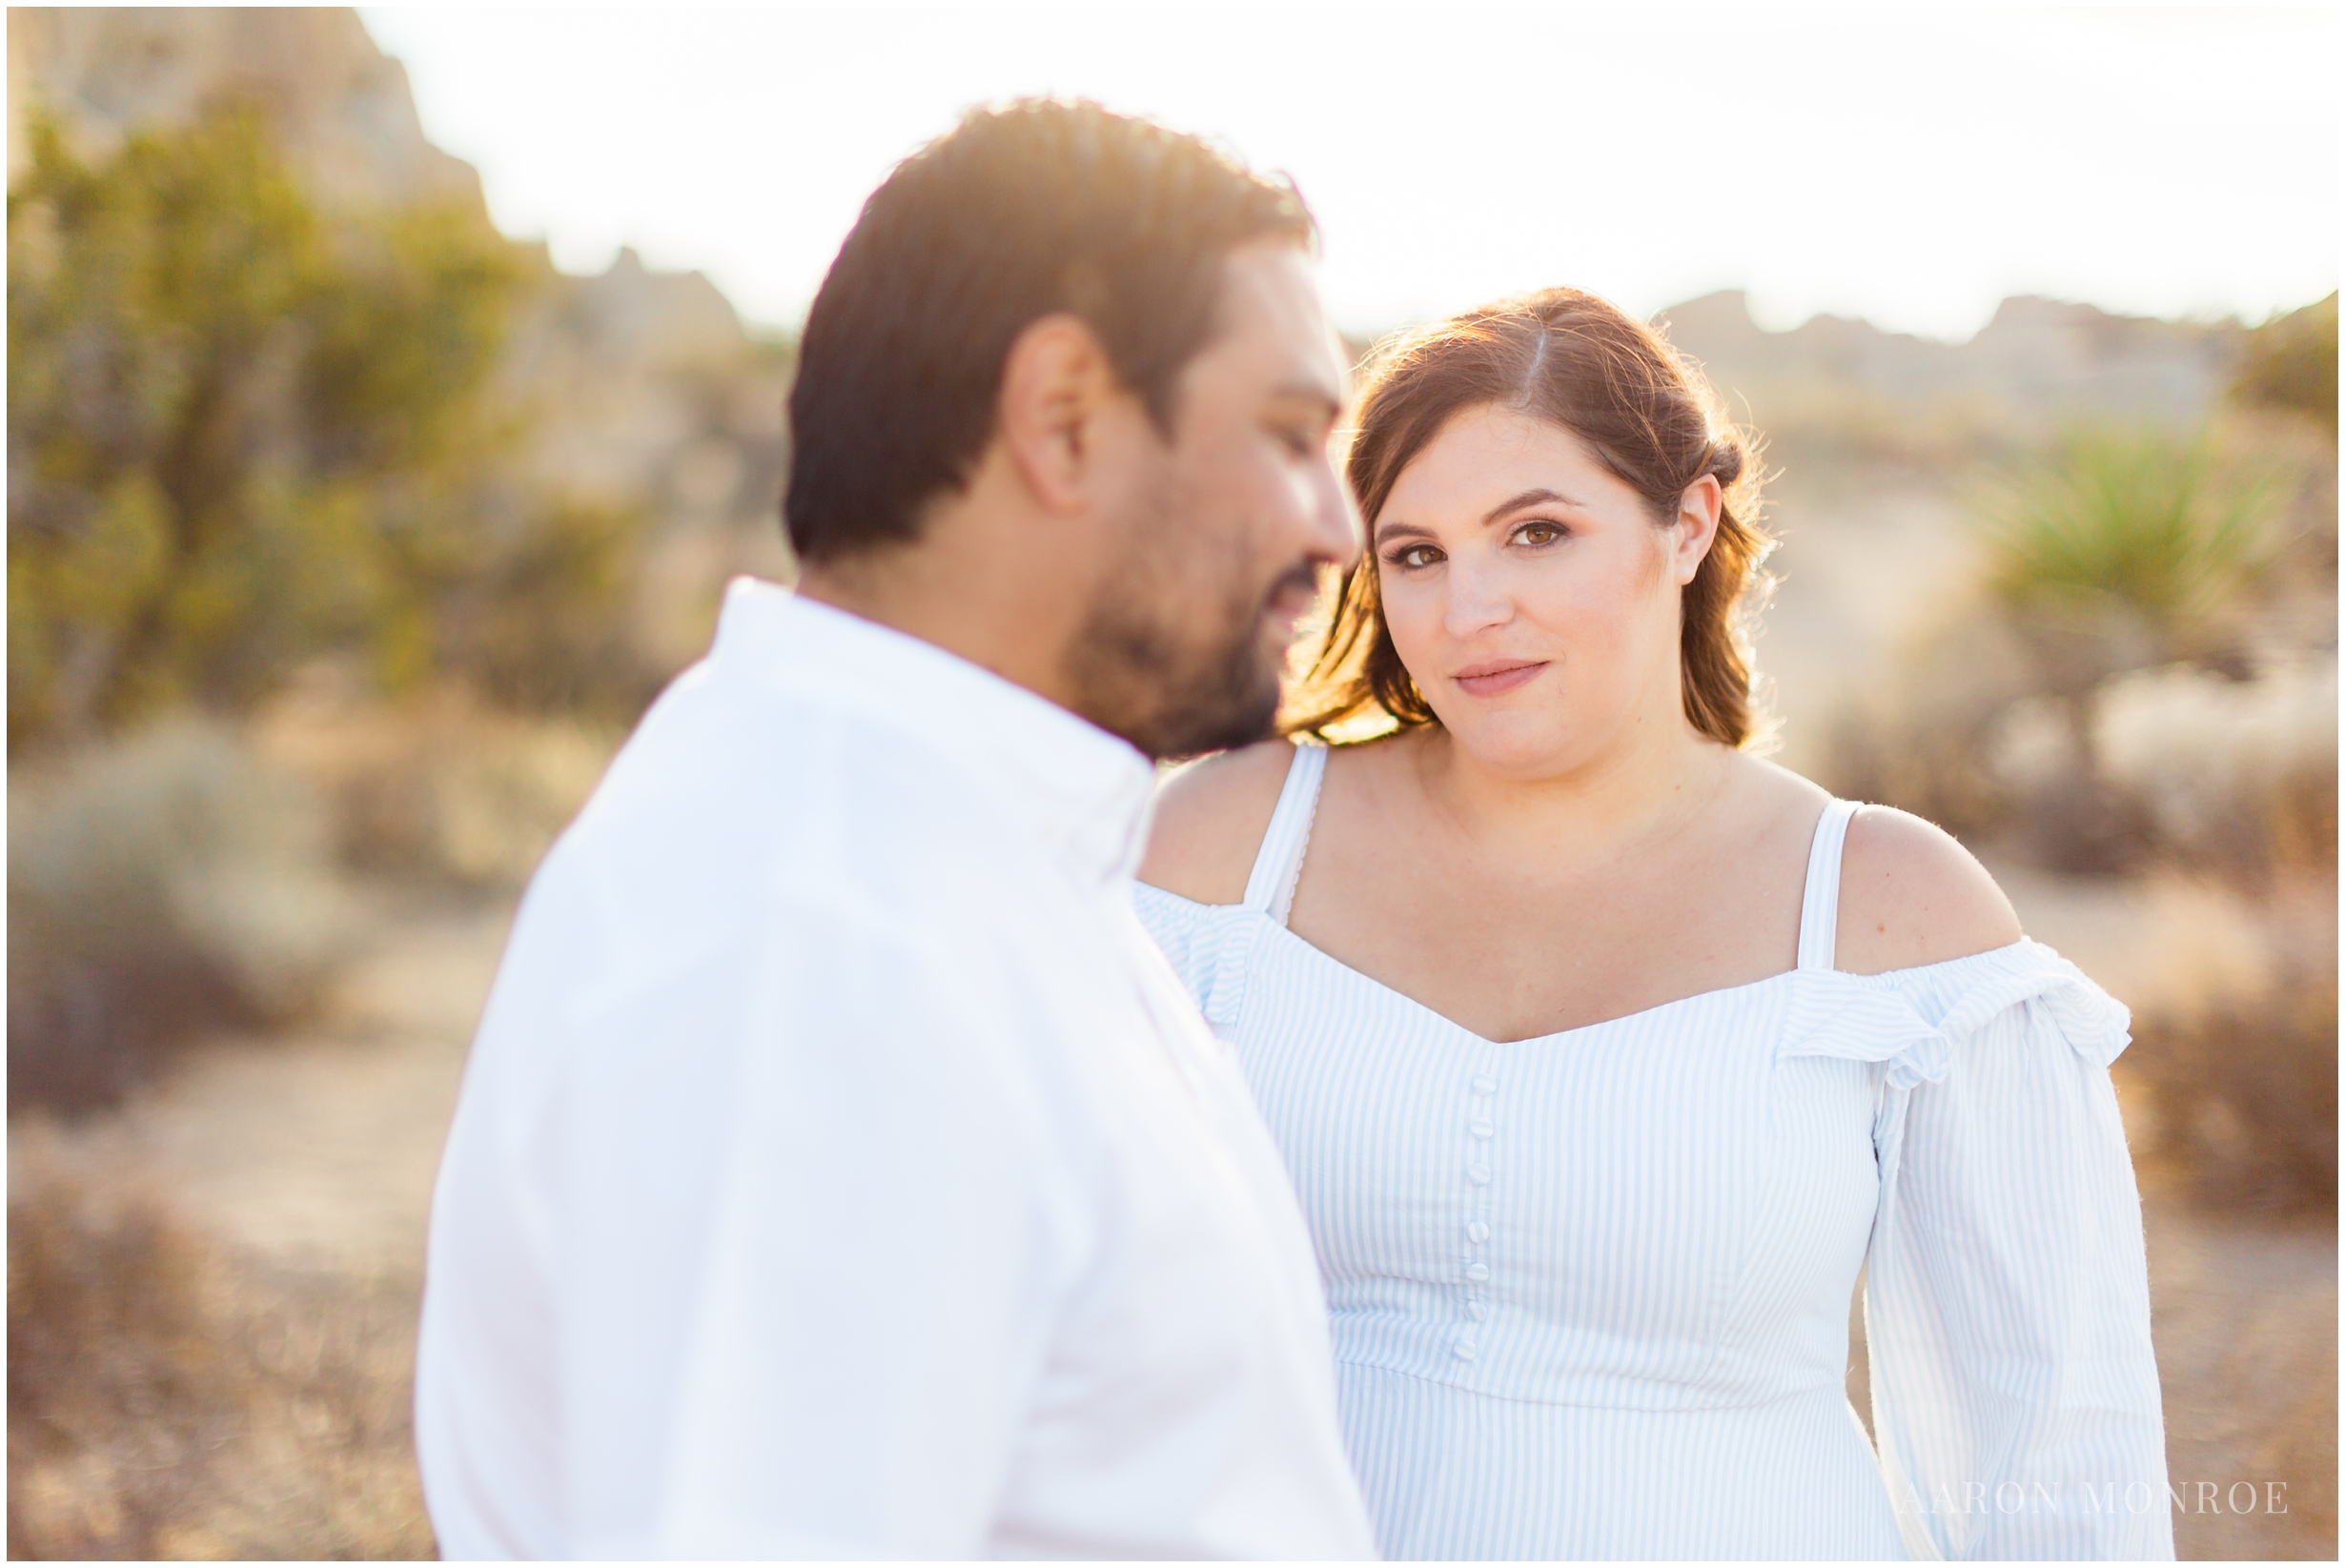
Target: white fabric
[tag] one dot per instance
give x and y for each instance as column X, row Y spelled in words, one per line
column 840, row 1171
column 1590, row 1291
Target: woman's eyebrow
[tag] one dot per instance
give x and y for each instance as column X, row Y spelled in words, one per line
column 1392, row 530
column 1513, row 504
column 1529, row 498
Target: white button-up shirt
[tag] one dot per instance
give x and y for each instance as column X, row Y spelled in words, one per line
column 840, row 1171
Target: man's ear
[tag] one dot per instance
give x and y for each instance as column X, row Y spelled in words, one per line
column 1056, row 382
column 1696, row 528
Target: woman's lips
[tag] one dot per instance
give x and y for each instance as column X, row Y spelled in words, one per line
column 1497, row 676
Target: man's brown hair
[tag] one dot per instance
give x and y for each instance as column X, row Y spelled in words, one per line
column 1018, row 212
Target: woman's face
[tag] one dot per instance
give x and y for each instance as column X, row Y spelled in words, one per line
column 1532, row 595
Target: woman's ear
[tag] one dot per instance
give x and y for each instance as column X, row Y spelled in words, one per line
column 1696, row 526
column 1056, row 379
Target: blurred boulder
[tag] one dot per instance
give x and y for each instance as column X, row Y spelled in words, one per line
column 342, row 108
column 2036, row 362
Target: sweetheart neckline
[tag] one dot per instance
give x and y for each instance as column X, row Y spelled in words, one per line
column 1446, row 1021
column 1481, row 1039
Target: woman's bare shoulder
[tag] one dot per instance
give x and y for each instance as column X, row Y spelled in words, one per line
column 1211, row 816
column 1910, row 895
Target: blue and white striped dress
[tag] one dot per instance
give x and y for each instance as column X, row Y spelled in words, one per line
column 1589, row 1292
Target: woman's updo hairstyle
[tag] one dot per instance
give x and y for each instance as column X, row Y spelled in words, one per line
column 1649, row 416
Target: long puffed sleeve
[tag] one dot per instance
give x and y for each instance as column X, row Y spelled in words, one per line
column 2006, row 1305
column 1172, row 922
column 1202, row 942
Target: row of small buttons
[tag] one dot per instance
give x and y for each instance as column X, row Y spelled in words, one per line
column 1477, row 1230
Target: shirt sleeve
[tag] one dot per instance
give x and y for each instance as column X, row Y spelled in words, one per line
column 813, row 1325
column 2015, row 1393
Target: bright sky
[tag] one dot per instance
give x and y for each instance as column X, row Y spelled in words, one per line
column 1912, row 165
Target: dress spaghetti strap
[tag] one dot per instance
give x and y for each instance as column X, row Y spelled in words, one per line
column 1820, row 906
column 1279, row 862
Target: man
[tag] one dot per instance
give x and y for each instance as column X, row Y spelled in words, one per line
column 838, row 1171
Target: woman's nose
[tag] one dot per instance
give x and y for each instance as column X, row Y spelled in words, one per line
column 1478, row 600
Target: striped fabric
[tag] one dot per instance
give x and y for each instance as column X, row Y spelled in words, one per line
column 1589, row 1292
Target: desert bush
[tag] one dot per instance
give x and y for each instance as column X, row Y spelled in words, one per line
column 437, row 790
column 2055, row 808
column 244, row 430
column 229, row 422
column 479, row 806
column 168, row 1398
column 539, row 624
column 114, row 1371
column 2243, row 1097
column 1918, row 738
column 2235, row 775
column 159, row 885
column 2290, row 363
column 2176, row 766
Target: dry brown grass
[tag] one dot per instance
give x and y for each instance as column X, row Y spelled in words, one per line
column 2235, row 1103
column 2231, row 1084
column 169, row 1398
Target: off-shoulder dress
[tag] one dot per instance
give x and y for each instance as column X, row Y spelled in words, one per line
column 1589, row 1292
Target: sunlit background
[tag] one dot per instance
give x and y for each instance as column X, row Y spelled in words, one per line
column 1910, row 164
column 391, row 394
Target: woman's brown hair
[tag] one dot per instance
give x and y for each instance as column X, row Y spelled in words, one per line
column 1649, row 416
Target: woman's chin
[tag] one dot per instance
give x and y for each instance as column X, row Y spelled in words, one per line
column 1522, row 746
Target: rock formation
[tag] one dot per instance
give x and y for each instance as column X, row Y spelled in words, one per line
column 341, row 106
column 2037, row 362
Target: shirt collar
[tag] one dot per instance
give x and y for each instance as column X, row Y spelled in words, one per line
column 1084, row 792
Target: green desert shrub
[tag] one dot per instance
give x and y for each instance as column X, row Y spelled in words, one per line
column 243, row 432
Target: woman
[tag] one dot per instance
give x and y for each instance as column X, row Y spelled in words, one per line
column 1603, row 1052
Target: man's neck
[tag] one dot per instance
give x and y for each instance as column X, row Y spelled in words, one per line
column 917, row 591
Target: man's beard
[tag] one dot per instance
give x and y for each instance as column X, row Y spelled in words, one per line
column 1175, row 676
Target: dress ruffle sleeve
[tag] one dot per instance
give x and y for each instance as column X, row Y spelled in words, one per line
column 2007, row 1306
column 1202, row 945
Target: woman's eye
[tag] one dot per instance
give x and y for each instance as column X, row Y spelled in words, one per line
column 1538, row 533
column 1415, row 556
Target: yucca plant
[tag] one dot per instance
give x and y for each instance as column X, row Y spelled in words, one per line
column 2143, row 521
